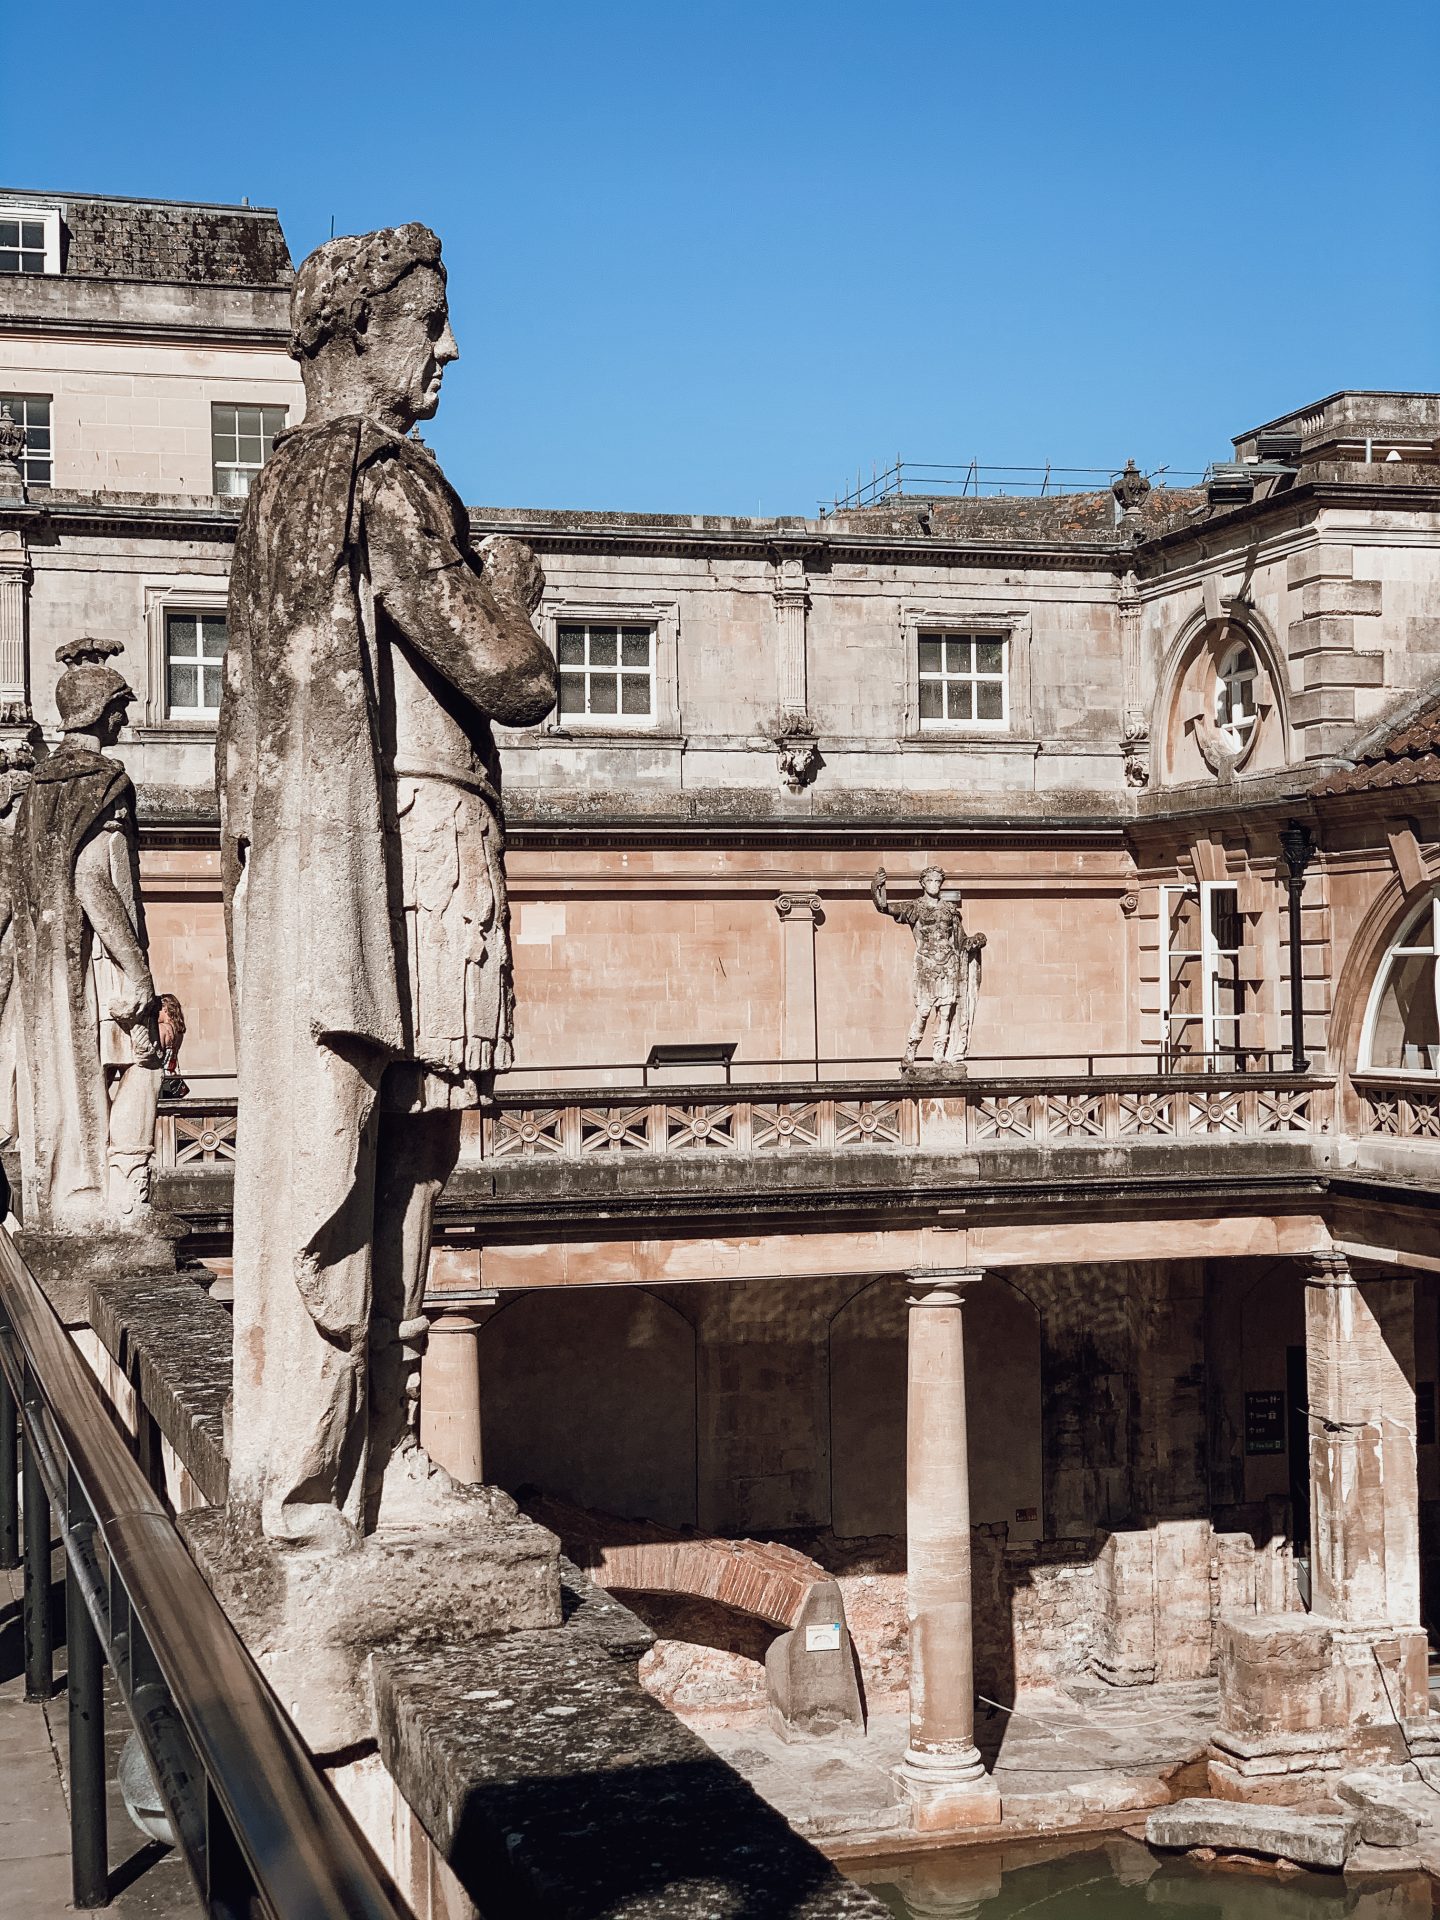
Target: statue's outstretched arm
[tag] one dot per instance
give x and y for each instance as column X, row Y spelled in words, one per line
column 110, row 917
column 433, row 589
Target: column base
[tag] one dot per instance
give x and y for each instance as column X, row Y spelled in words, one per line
column 948, row 1792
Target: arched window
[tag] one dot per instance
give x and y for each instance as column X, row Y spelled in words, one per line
column 1402, row 1026
column 1235, row 694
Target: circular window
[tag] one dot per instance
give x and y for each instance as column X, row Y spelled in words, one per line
column 1235, row 695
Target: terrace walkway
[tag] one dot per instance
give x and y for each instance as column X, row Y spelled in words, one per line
column 146, row 1880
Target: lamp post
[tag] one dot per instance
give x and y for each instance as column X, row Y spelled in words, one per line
column 1297, row 843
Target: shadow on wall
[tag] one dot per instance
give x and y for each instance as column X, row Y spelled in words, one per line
column 592, row 1396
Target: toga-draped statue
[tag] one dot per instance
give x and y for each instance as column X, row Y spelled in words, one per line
column 90, row 1033
column 947, row 965
column 370, row 648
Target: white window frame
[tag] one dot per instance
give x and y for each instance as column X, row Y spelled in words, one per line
column 1238, row 731
column 262, row 407
column 179, row 594
column 49, row 218
column 1010, row 624
column 203, row 714
column 624, row 722
column 973, row 679
column 24, row 400
column 663, row 616
column 1208, row 955
column 1399, row 948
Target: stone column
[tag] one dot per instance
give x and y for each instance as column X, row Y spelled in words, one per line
column 942, row 1771
column 450, row 1429
column 15, row 577
column 1364, row 1489
column 800, row 914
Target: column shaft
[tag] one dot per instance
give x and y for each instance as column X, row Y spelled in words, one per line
column 450, row 1423
column 941, row 1770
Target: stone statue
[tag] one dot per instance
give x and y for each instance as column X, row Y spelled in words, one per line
column 947, row 965
column 90, row 1026
column 363, row 847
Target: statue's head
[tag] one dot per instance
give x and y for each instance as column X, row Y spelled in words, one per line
column 932, row 880
column 91, row 697
column 370, row 325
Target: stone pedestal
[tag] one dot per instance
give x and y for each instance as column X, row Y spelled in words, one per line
column 474, row 1568
column 450, row 1415
column 1303, row 1699
column 942, row 1772
column 65, row 1264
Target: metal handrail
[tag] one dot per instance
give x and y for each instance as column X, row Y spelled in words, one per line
column 260, row 1829
column 1237, row 1062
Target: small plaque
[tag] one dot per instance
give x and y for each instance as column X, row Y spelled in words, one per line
column 1265, row 1422
column 1425, row 1413
column 1026, row 1515
column 823, row 1639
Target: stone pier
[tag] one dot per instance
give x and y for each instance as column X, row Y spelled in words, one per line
column 1305, row 1696
column 942, row 1771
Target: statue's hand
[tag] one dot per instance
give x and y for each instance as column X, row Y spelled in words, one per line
column 977, row 940
column 877, row 886
column 512, row 572
column 133, row 1003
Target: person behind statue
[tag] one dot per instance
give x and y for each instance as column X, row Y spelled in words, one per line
column 947, row 965
column 91, row 1030
column 363, row 850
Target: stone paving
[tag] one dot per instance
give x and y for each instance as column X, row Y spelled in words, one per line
column 146, row 1880
column 1062, row 1761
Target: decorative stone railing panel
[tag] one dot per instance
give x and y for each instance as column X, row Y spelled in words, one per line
column 1399, row 1110
column 609, row 1125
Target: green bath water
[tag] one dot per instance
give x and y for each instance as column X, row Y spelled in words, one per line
column 1111, row 1877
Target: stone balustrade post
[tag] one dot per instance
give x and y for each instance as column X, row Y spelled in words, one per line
column 942, row 1771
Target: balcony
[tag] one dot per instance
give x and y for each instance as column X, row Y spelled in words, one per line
column 1012, row 1138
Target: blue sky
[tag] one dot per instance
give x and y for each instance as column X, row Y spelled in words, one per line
column 713, row 259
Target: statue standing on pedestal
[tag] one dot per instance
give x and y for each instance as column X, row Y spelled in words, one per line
column 947, row 965
column 90, row 1039
column 363, row 846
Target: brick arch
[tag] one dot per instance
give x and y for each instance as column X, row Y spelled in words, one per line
column 761, row 1578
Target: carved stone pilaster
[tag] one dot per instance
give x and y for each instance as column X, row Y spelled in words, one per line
column 792, row 603
column 16, row 575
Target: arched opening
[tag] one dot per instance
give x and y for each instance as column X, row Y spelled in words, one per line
column 1220, row 705
column 1401, row 1033
column 591, row 1396
column 1003, row 1412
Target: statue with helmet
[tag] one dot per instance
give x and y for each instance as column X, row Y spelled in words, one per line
column 90, row 1026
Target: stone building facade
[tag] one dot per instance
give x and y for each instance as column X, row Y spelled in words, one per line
column 1099, row 713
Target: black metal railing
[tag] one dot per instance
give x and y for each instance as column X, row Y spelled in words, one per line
column 260, row 1830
